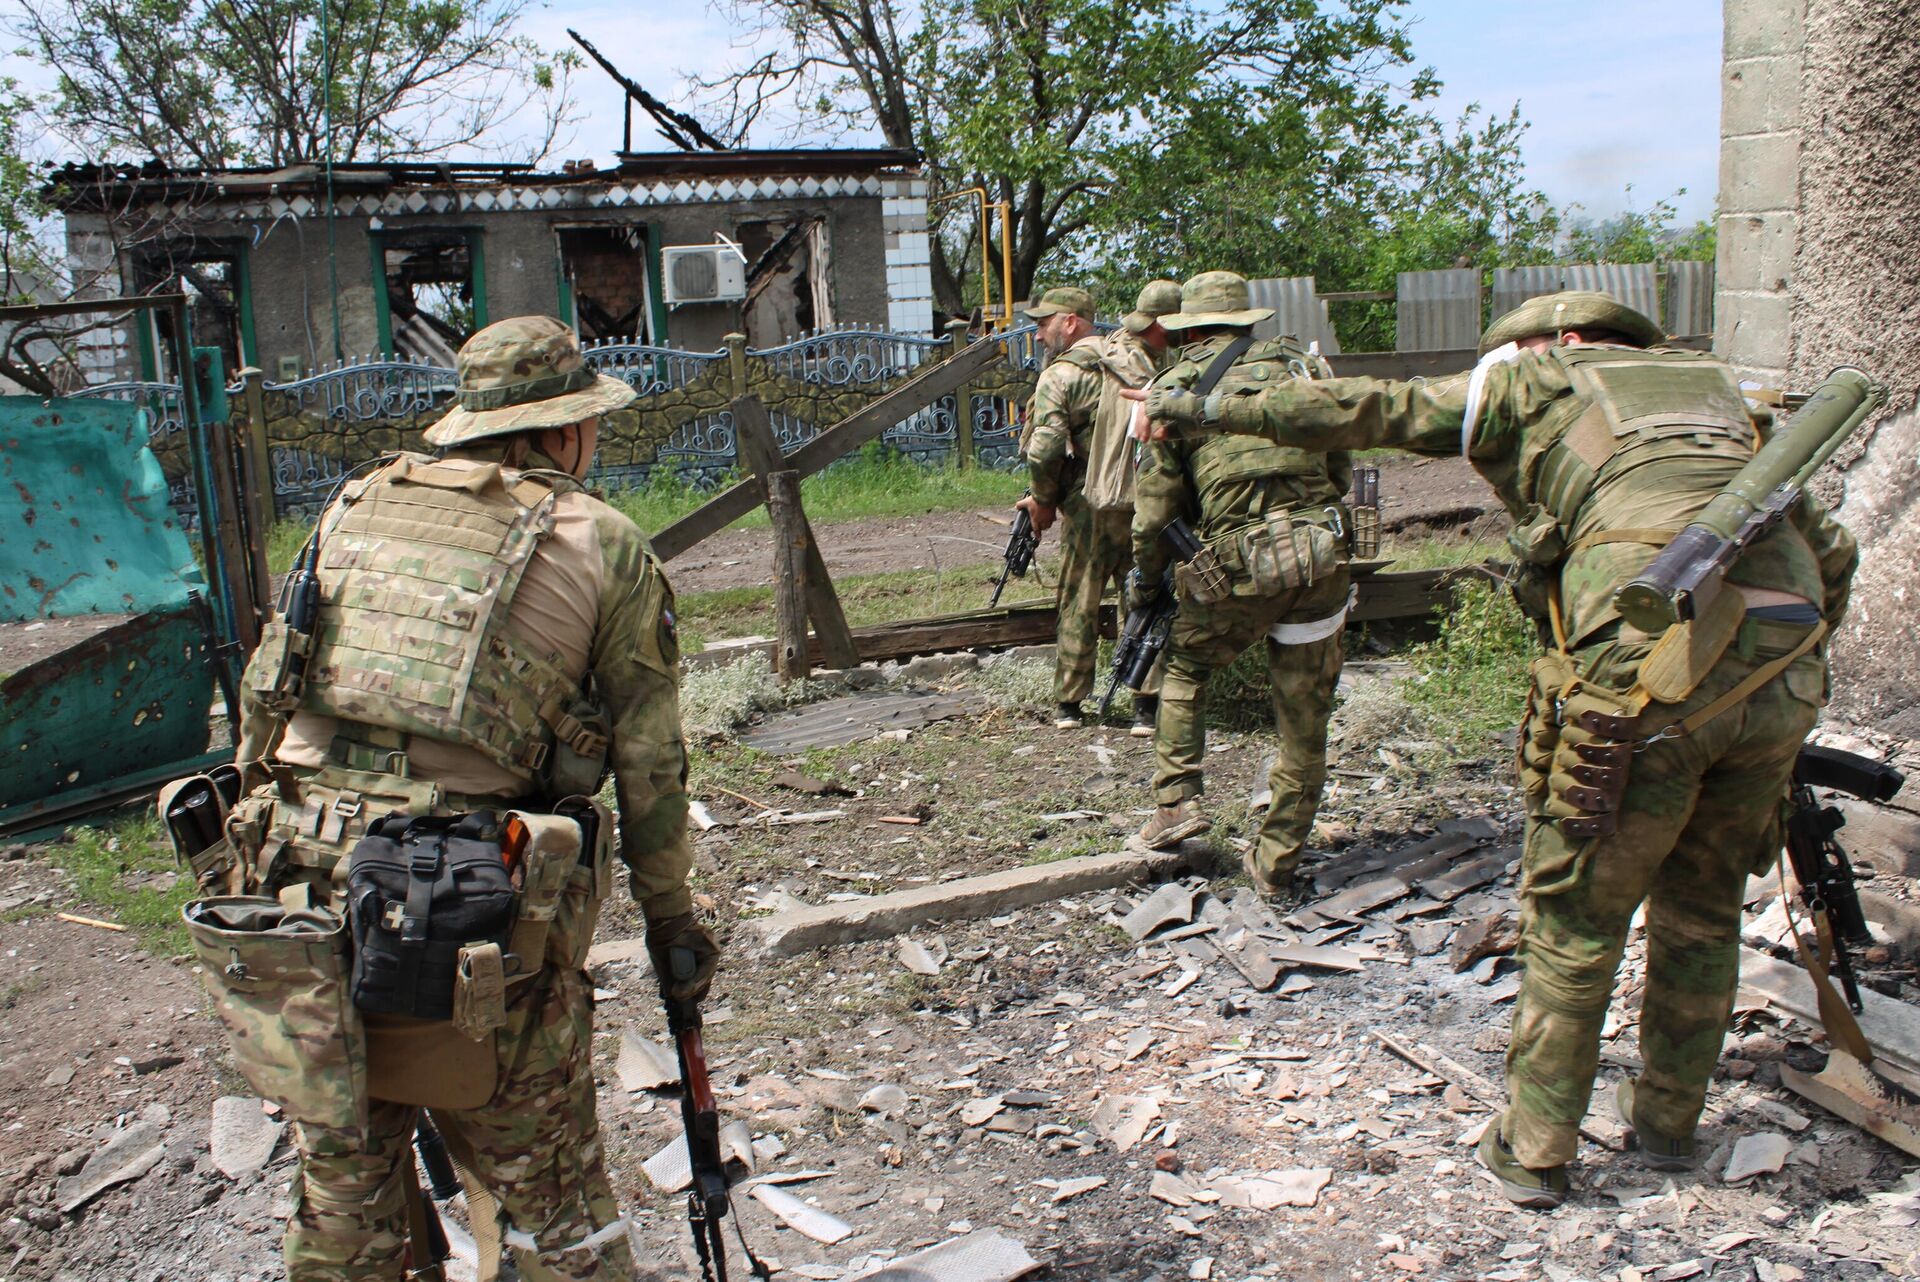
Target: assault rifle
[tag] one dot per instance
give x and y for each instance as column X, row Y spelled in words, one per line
column 707, row 1200
column 1022, row 542
column 1144, row 635
column 1819, row 864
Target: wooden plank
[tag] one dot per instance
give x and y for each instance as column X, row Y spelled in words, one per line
column 1892, row 1027
column 759, row 451
column 918, row 392
column 790, row 657
column 1413, row 593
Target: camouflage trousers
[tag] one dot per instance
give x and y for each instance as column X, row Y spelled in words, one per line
column 535, row 1146
column 1700, row 814
column 1209, row 637
column 1096, row 549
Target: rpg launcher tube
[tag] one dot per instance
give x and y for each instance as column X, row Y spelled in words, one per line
column 1687, row 572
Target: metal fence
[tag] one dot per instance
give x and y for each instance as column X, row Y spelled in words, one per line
column 680, row 427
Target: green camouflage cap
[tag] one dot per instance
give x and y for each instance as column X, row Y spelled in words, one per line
column 1216, row 298
column 1064, row 298
column 1159, row 298
column 525, row 373
column 1570, row 309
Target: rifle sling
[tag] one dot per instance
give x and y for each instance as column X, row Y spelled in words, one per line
column 1843, row 1030
column 1211, row 376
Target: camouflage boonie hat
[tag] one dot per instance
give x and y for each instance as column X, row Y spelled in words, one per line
column 1570, row 309
column 1064, row 298
column 1158, row 299
column 525, row 373
column 1216, row 298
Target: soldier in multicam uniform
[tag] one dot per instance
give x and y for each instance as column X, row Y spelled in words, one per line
column 1650, row 769
column 469, row 604
column 1273, row 519
column 1079, row 418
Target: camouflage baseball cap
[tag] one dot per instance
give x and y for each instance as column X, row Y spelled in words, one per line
column 1570, row 309
column 1064, row 298
column 525, row 373
column 1216, row 298
column 1158, row 299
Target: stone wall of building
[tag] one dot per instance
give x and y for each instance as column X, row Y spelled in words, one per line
column 1819, row 234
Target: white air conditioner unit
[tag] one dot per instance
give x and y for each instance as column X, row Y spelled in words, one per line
column 703, row 274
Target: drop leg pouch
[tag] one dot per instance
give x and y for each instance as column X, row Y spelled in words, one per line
column 279, row 982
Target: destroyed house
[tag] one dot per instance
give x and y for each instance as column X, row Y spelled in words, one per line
column 293, row 269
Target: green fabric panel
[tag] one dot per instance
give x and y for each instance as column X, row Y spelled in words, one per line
column 114, row 705
column 85, row 528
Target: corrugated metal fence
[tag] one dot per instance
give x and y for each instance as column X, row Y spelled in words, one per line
column 1446, row 310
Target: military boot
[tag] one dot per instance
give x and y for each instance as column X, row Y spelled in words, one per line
column 1281, row 883
column 1145, row 708
column 1660, row 1152
column 1067, row 716
column 1542, row 1190
column 1173, row 824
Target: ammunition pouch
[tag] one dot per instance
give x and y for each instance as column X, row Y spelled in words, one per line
column 568, row 858
column 194, row 813
column 299, row 831
column 1284, row 553
column 279, row 979
column 1204, row 579
column 275, row 680
column 1364, row 542
column 420, row 891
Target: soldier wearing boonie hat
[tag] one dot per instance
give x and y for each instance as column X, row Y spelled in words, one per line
column 1644, row 782
column 1275, row 530
column 490, row 636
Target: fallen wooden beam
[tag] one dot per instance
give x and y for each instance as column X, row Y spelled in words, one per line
column 1849, row 1089
column 1892, row 1027
column 1601, row 1130
column 1404, row 594
column 788, row 933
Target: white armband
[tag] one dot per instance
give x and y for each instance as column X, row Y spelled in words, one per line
column 1477, row 391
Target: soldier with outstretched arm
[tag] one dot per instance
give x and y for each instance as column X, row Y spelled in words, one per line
column 1651, row 762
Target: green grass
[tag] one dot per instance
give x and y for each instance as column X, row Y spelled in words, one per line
column 1442, row 554
column 284, row 541
column 873, row 598
column 102, row 861
column 1471, row 681
column 876, row 482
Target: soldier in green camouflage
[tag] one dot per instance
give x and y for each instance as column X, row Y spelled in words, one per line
column 1272, row 517
column 1078, row 418
column 1650, row 764
column 489, row 635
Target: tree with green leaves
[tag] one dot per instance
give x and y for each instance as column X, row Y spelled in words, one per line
column 1153, row 137
column 217, row 84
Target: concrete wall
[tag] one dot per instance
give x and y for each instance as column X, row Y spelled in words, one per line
column 1819, row 237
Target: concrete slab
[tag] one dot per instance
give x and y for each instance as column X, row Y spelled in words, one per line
column 787, row 934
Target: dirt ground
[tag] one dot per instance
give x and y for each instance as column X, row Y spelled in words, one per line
column 1434, row 492
column 996, row 1094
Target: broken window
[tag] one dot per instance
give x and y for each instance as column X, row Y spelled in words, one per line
column 604, row 271
column 435, row 295
column 213, row 276
column 787, row 274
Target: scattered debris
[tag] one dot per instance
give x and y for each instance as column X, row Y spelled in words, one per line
column 95, row 922
column 811, row 1221
column 1483, row 938
column 798, row 782
column 979, row 1256
column 920, row 959
column 129, row 1153
column 1759, row 1154
column 1272, row 1189
column 644, row 1065
column 243, row 1136
column 1123, row 1120
column 1170, row 903
column 1064, row 1189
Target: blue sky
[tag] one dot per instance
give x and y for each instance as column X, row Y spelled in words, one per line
column 1625, row 91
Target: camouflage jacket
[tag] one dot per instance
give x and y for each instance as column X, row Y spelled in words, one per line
column 1064, row 403
column 1525, row 410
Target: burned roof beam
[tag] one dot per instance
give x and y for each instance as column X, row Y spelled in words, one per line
column 677, row 127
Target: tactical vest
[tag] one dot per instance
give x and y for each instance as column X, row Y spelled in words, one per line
column 417, row 573
column 1220, row 460
column 1648, row 438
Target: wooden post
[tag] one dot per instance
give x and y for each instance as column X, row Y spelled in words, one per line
column 736, row 363
column 791, row 541
column 758, row 451
column 963, row 401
